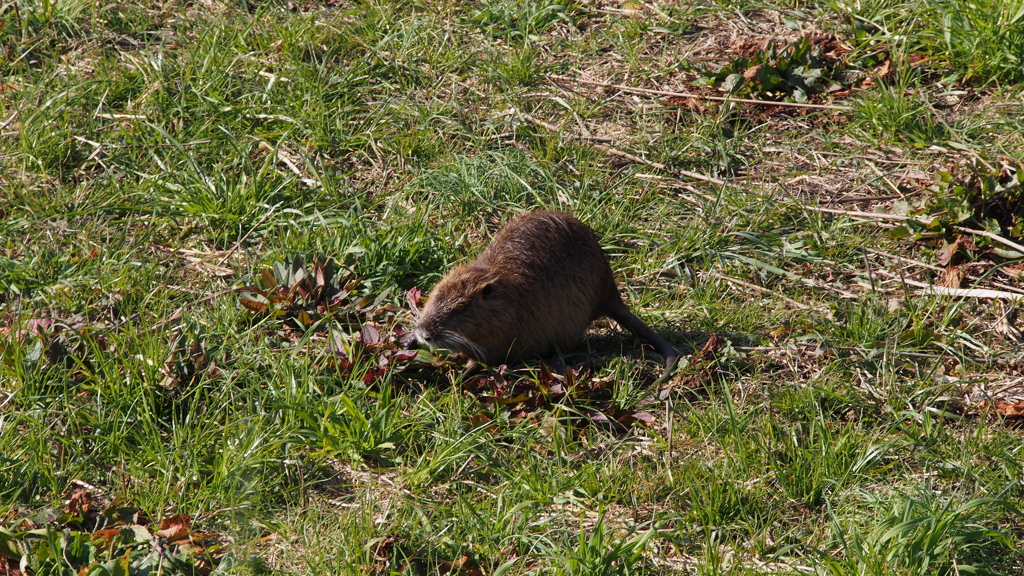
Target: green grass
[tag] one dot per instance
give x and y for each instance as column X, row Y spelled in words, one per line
column 157, row 156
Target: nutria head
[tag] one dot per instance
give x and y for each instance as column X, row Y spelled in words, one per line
column 466, row 313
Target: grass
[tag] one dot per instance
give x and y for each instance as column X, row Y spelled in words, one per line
column 156, row 157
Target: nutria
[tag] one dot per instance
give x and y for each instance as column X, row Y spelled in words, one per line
column 536, row 287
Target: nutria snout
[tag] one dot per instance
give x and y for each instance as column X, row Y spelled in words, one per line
column 536, row 287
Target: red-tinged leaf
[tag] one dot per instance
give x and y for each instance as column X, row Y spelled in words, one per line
column 404, row 355
column 278, row 298
column 372, row 374
column 370, row 335
column 556, row 389
column 38, row 325
column 175, row 528
column 413, row 296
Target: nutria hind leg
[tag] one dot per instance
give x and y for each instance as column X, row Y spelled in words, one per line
column 621, row 314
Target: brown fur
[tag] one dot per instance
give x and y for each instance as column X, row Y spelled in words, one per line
column 538, row 285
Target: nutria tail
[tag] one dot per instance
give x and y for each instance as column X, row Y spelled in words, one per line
column 620, row 313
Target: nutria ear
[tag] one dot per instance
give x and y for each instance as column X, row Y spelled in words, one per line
column 487, row 291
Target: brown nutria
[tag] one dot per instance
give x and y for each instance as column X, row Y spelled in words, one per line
column 536, row 287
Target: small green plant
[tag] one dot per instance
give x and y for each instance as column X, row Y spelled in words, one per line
column 795, row 71
column 978, row 193
column 121, row 550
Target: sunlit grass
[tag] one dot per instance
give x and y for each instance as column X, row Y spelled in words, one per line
column 154, row 157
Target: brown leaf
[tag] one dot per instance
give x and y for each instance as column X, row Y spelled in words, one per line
column 885, row 71
column 268, row 280
column 546, row 377
column 252, row 305
column 175, row 528
column 480, row 420
column 79, row 503
column 703, row 365
column 644, row 417
column 1015, row 410
column 107, row 536
column 693, row 104
column 751, row 72
column 954, row 277
column 948, row 251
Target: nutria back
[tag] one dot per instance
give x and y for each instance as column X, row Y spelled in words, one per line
column 538, row 285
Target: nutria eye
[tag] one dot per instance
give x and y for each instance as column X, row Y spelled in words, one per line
column 487, row 291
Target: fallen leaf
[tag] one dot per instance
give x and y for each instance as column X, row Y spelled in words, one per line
column 953, row 277
column 1014, row 411
column 174, row 528
column 413, row 296
column 948, row 251
column 885, row 71
column 79, row 503
column 370, row 335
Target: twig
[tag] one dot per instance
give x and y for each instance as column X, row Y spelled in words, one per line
column 697, row 96
column 676, row 183
column 616, row 152
column 992, row 236
column 852, row 199
column 931, row 289
column 862, row 157
column 122, row 116
column 940, row 269
column 857, row 213
column 9, row 120
column 763, row 290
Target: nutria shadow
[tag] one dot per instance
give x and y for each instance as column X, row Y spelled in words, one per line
column 536, row 288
